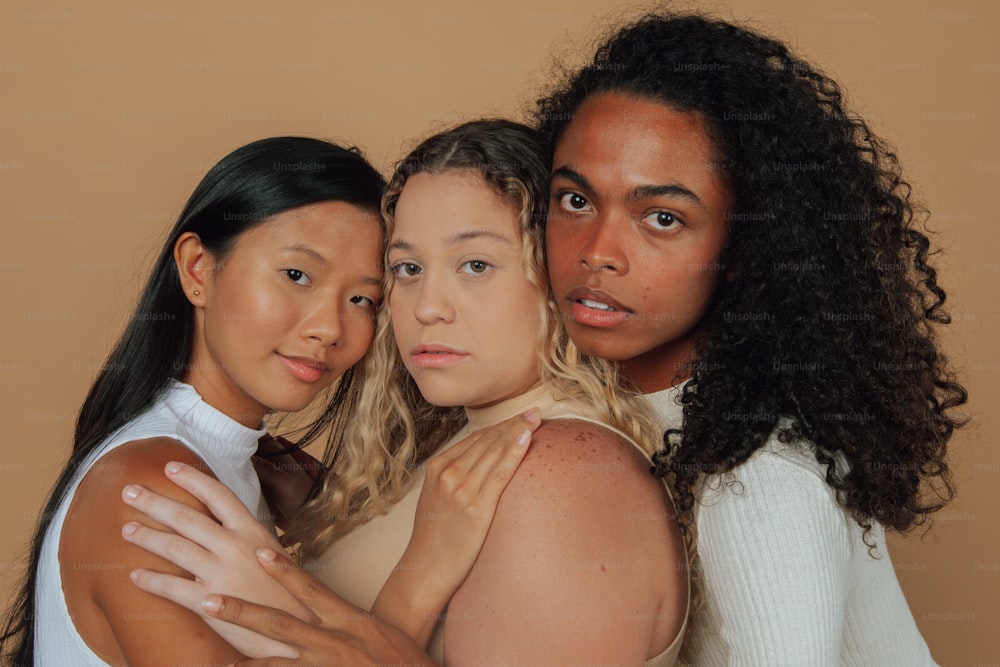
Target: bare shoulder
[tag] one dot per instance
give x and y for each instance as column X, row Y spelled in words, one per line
column 142, row 460
column 96, row 512
column 584, row 557
column 121, row 623
column 573, row 456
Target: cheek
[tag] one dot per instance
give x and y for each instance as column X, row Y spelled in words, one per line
column 698, row 289
column 558, row 252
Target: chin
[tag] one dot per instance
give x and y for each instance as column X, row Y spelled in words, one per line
column 442, row 397
column 599, row 347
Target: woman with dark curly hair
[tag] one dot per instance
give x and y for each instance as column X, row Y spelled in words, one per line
column 746, row 250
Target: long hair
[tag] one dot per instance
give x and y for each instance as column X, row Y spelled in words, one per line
column 243, row 190
column 829, row 306
column 399, row 428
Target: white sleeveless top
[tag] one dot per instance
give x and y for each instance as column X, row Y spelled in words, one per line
column 224, row 444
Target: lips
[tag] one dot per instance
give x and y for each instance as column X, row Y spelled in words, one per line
column 594, row 308
column 306, row 369
column 433, row 355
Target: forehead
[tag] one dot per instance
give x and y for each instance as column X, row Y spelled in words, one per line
column 615, row 133
column 436, row 205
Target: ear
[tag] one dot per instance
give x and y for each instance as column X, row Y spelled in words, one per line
column 193, row 265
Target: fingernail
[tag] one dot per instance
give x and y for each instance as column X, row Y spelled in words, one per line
column 524, row 439
column 129, row 528
column 134, row 575
column 131, row 492
column 534, row 415
column 266, row 555
column 173, row 467
column 213, row 603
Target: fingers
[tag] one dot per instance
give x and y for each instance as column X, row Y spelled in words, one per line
column 314, row 594
column 267, row 621
column 509, row 431
column 496, row 467
column 188, row 594
column 220, row 501
column 178, row 550
column 179, row 517
column 489, row 457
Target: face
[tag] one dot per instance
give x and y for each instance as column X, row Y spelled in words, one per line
column 637, row 223
column 464, row 313
column 287, row 311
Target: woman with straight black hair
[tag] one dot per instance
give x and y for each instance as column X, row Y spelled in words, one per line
column 262, row 297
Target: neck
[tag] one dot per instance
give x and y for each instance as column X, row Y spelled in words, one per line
column 649, row 378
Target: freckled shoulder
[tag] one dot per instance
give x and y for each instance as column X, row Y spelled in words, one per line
column 587, row 451
column 582, row 534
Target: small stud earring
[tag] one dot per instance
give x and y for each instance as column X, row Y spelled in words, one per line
column 196, row 292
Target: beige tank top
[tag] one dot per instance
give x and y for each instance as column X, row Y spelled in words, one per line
column 357, row 565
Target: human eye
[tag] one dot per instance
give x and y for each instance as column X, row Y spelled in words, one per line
column 403, row 270
column 475, row 267
column 364, row 301
column 573, row 202
column 298, row 277
column 662, row 220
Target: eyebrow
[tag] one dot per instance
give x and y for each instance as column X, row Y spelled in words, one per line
column 368, row 280
column 457, row 238
column 636, row 194
column 306, row 250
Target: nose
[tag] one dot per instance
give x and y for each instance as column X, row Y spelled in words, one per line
column 433, row 303
column 601, row 247
column 324, row 323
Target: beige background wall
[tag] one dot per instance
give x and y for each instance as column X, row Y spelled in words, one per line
column 111, row 113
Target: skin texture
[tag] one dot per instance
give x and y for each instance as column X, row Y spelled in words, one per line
column 583, row 538
column 289, row 292
column 637, row 215
column 250, row 314
column 456, row 256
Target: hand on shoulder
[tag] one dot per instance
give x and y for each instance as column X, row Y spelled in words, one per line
column 117, row 620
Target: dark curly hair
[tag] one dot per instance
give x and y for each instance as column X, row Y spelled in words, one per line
column 828, row 308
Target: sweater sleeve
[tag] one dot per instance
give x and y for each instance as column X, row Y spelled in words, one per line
column 776, row 549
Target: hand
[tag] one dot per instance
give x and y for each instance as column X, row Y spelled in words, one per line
column 345, row 635
column 221, row 557
column 454, row 514
column 287, row 477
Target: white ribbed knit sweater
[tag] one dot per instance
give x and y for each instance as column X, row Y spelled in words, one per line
column 788, row 579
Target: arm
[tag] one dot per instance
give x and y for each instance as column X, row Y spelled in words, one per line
column 584, row 562
column 344, row 636
column 120, row 622
column 222, row 556
column 454, row 512
column 775, row 556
